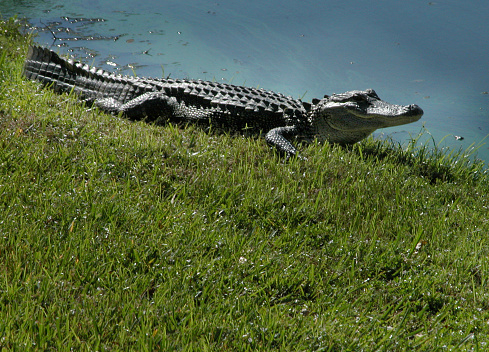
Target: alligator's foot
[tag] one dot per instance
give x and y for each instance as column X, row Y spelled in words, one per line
column 276, row 137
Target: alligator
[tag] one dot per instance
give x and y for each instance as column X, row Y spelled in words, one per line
column 344, row 118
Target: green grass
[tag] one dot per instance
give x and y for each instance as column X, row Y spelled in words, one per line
column 116, row 235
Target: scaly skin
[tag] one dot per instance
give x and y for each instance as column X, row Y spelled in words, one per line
column 340, row 118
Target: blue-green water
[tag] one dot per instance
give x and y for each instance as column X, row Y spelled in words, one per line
column 434, row 54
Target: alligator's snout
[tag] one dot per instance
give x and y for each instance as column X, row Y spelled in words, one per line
column 389, row 114
column 394, row 115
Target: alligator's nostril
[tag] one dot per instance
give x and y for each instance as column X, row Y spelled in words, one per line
column 415, row 109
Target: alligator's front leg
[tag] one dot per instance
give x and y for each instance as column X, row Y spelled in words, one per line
column 276, row 137
column 148, row 106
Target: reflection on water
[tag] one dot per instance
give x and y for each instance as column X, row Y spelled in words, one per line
column 433, row 53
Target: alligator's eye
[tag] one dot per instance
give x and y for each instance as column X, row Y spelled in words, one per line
column 372, row 93
column 359, row 98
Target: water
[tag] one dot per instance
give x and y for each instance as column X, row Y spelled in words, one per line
column 434, row 54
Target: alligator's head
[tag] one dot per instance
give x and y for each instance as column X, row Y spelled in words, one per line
column 350, row 117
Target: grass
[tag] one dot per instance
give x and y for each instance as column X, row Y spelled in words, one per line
column 119, row 235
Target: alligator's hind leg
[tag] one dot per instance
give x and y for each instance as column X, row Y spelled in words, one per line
column 148, row 106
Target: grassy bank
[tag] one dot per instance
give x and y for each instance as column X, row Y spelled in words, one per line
column 117, row 235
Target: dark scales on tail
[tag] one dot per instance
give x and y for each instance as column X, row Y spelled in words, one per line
column 340, row 118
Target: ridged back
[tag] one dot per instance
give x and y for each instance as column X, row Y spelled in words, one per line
column 67, row 75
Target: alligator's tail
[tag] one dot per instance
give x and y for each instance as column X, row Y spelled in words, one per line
column 63, row 75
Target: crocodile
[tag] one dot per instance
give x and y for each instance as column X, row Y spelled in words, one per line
column 344, row 118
